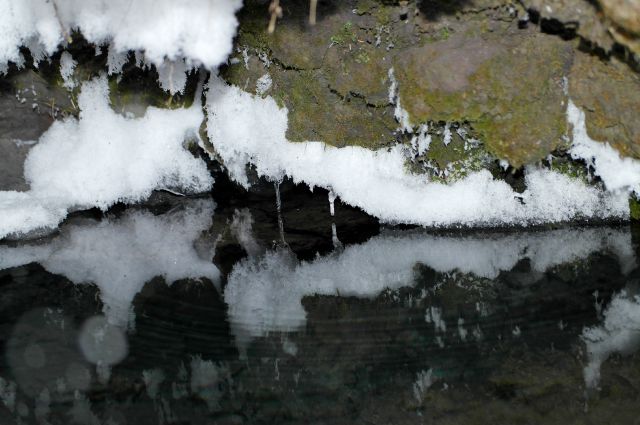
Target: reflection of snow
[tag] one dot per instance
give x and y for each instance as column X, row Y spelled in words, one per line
column 207, row 378
column 619, row 333
column 264, row 293
column 120, row 255
column 424, row 380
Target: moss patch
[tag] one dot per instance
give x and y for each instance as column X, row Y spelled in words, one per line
column 511, row 93
column 634, row 208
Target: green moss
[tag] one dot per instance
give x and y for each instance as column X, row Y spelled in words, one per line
column 315, row 113
column 345, row 35
column 451, row 162
column 362, row 57
column 514, row 103
column 441, row 35
column 136, row 90
column 570, row 168
column 365, row 6
column 634, row 208
column 383, row 15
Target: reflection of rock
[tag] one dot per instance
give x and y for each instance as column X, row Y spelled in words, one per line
column 120, row 255
column 264, row 294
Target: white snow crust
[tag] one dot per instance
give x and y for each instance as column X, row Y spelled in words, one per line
column 103, row 158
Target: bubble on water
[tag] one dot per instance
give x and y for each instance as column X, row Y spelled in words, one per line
column 43, row 343
column 102, row 343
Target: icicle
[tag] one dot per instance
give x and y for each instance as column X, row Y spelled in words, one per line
column 332, row 199
column 279, row 209
column 334, row 237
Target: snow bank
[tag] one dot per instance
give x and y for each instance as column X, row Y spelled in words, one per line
column 619, row 333
column 104, row 158
column 246, row 129
column 264, row 293
column 120, row 255
column 199, row 31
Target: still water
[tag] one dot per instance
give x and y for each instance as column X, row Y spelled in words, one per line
column 235, row 311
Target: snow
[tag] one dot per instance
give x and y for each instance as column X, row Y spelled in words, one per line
column 116, row 60
column 172, row 76
column 423, row 382
column 103, row 158
column 199, row 31
column 263, row 84
column 616, row 172
column 619, row 333
column 264, row 293
column 120, row 255
column 400, row 114
column 246, row 129
column 67, row 67
column 421, row 141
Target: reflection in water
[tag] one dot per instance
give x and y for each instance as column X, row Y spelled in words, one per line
column 121, row 254
column 618, row 333
column 264, row 293
column 406, row 328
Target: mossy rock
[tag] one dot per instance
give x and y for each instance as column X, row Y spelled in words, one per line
column 331, row 78
column 359, row 69
column 508, row 87
column 609, row 94
column 634, row 208
column 316, row 113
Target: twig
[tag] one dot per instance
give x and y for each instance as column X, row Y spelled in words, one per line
column 65, row 33
column 312, row 11
column 276, row 12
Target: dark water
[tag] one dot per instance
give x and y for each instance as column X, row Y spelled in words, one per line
column 194, row 311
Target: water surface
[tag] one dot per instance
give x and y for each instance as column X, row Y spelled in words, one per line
column 231, row 311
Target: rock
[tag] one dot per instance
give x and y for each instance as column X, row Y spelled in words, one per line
column 509, row 89
column 472, row 64
column 333, row 82
column 623, row 13
column 625, row 17
column 607, row 91
column 579, row 15
column 28, row 106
